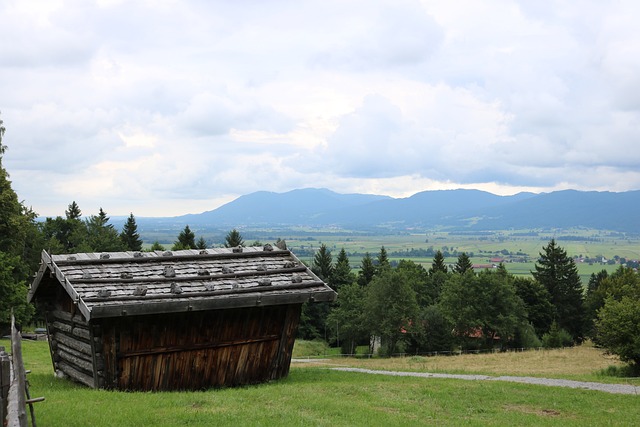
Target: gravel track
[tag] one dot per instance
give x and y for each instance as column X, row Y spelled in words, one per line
column 607, row 388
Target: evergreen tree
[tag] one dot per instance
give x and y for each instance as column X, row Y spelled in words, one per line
column 156, row 246
column 463, row 264
column 367, row 270
column 186, row 240
column 382, row 261
column 100, row 235
column 313, row 320
column 537, row 303
column 103, row 219
column 438, row 263
column 594, row 299
column 73, row 211
column 201, row 243
column 233, row 239
column 323, row 263
column 129, row 235
column 558, row 273
column 342, row 274
column 595, row 280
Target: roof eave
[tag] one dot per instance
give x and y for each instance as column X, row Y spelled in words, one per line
column 47, row 263
column 258, row 299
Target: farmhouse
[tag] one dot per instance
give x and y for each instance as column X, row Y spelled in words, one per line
column 191, row 319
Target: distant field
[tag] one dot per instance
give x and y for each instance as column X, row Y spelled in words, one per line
column 584, row 243
column 484, row 246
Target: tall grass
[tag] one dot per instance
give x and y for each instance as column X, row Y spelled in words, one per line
column 582, row 363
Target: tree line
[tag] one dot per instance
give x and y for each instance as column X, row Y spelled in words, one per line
column 411, row 309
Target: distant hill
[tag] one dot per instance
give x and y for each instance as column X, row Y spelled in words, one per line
column 453, row 209
column 309, row 206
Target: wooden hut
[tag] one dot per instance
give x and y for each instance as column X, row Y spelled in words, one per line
column 190, row 319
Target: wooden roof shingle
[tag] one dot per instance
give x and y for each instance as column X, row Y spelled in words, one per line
column 135, row 283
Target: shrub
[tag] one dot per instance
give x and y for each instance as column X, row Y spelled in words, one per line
column 525, row 337
column 557, row 338
column 621, row 371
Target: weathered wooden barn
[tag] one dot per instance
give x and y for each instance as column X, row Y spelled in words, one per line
column 190, row 319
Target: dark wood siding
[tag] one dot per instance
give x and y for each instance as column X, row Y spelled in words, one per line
column 70, row 343
column 198, row 350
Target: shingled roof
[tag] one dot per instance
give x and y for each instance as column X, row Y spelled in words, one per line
column 138, row 283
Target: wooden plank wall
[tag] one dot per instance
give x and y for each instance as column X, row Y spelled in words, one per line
column 199, row 350
column 71, row 346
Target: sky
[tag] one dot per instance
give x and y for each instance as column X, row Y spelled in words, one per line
column 162, row 108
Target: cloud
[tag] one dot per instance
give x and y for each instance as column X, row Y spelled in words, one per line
column 172, row 106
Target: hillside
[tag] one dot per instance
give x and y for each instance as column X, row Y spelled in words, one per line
column 453, row 209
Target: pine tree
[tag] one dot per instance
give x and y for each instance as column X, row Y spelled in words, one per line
column 129, row 236
column 323, row 263
column 463, row 264
column 100, row 235
column 342, row 274
column 367, row 270
column 73, row 211
column 103, row 219
column 156, row 246
column 382, row 261
column 438, row 263
column 537, row 303
column 186, row 240
column 201, row 243
column 233, row 239
column 559, row 274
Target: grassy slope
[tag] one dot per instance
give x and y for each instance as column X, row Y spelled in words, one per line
column 317, row 396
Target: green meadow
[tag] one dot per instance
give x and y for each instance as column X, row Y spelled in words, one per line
column 314, row 395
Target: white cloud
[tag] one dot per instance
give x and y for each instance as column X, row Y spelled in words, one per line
column 163, row 107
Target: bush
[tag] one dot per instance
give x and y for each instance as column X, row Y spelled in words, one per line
column 557, row 338
column 621, row 371
column 618, row 328
column 307, row 348
column 525, row 337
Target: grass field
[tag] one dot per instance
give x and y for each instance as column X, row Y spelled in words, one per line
column 316, row 396
column 483, row 246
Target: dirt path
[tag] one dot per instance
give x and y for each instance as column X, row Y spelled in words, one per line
column 607, row 388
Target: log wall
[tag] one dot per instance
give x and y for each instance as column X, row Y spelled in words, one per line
column 71, row 346
column 198, row 350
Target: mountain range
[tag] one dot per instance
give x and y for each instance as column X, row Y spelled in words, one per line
column 452, row 209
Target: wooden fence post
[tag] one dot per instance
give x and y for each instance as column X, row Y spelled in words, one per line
column 5, row 382
column 17, row 401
